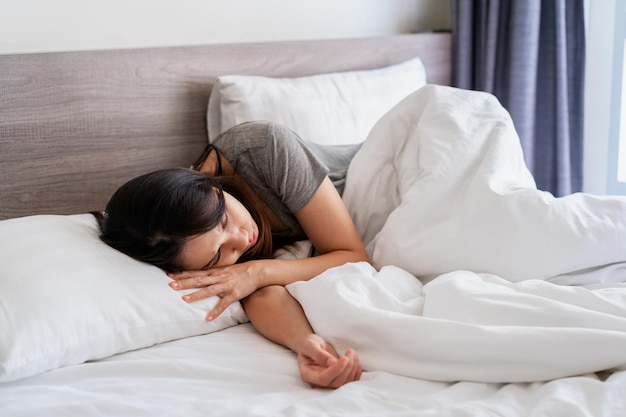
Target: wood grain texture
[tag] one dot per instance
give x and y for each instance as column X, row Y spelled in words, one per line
column 75, row 125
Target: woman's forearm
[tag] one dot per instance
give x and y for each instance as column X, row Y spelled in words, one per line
column 235, row 282
column 283, row 272
column 277, row 316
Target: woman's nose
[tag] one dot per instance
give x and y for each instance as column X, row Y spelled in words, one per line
column 238, row 240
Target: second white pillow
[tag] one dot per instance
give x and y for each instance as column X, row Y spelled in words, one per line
column 329, row 109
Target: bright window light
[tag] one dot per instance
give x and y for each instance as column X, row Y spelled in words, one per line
column 621, row 164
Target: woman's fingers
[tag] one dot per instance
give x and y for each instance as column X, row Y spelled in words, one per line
column 204, row 293
column 189, row 274
column 348, row 372
column 220, row 307
column 323, row 376
column 227, row 297
column 231, row 284
column 331, row 377
column 354, row 370
column 199, row 280
column 320, row 354
column 334, row 373
column 320, row 365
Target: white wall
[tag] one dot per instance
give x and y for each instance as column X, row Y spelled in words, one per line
column 61, row 25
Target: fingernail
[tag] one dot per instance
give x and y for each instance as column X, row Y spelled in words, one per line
column 174, row 284
column 209, row 318
column 186, row 297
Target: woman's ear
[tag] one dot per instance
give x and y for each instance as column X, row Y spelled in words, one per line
column 212, row 163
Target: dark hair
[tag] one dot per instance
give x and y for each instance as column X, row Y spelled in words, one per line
column 151, row 217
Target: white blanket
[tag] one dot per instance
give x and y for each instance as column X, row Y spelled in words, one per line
column 440, row 189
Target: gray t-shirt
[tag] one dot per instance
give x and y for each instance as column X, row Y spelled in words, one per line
column 283, row 170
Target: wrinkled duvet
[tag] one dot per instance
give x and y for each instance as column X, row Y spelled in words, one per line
column 478, row 275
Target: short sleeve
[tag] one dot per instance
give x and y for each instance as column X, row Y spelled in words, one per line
column 275, row 161
column 295, row 171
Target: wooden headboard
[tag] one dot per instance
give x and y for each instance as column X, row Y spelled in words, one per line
column 75, row 125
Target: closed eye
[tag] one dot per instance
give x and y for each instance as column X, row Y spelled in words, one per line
column 218, row 254
column 214, row 260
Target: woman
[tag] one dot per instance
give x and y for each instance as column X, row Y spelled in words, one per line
column 259, row 188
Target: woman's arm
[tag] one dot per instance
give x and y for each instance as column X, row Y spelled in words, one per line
column 279, row 317
column 327, row 224
column 269, row 306
column 329, row 227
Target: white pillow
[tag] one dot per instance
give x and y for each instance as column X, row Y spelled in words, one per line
column 329, row 109
column 66, row 297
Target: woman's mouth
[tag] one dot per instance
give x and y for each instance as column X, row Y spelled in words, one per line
column 255, row 237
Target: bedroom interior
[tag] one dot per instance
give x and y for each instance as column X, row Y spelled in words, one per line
column 88, row 331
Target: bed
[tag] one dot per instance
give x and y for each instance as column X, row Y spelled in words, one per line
column 88, row 332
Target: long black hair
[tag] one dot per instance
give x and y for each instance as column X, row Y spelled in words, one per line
column 152, row 216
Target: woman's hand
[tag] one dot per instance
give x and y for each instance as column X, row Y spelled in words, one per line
column 280, row 318
column 230, row 283
column 320, row 365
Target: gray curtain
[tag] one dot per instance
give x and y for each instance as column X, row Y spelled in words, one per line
column 531, row 55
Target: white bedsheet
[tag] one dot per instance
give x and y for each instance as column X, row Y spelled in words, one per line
column 236, row 372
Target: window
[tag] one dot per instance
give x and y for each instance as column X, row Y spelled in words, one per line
column 621, row 154
column 616, row 175
column 603, row 173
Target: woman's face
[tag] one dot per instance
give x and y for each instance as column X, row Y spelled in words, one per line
column 224, row 244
